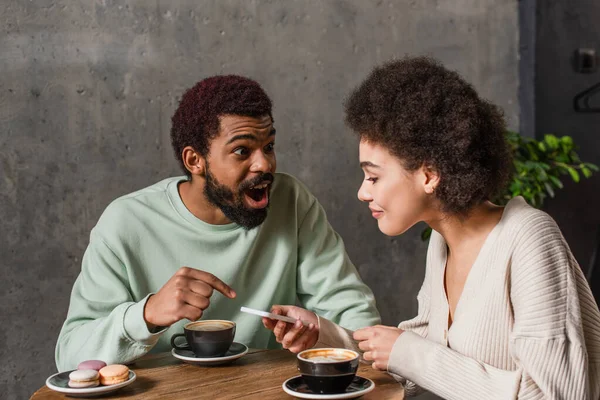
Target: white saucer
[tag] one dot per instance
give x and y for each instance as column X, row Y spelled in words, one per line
column 296, row 387
column 236, row 351
column 60, row 383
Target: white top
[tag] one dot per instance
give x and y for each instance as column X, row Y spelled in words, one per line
column 526, row 325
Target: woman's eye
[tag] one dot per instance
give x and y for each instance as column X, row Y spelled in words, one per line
column 372, row 179
column 241, row 151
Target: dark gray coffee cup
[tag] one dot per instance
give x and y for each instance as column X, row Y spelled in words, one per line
column 328, row 370
column 209, row 338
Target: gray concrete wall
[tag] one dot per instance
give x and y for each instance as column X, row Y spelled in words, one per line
column 87, row 90
column 527, row 36
column 561, row 29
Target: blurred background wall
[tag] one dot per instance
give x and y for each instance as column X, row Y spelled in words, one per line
column 87, row 90
column 562, row 29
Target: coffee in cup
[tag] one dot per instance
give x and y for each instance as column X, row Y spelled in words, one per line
column 210, row 338
column 328, row 370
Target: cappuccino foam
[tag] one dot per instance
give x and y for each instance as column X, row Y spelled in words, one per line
column 209, row 326
column 327, row 355
column 328, row 358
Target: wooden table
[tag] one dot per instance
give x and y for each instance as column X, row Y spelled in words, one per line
column 257, row 375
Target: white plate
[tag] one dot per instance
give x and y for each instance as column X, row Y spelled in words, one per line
column 296, row 387
column 60, row 383
column 236, row 351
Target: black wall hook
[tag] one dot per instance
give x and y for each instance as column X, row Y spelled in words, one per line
column 581, row 101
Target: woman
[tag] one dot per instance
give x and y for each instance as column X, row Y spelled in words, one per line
column 504, row 311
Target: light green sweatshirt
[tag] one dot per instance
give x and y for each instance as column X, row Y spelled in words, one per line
column 143, row 238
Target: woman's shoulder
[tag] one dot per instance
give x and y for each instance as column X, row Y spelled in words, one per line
column 522, row 229
column 524, row 223
column 536, row 240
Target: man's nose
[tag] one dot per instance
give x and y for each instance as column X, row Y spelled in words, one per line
column 262, row 163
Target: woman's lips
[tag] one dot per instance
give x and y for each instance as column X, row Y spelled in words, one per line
column 376, row 213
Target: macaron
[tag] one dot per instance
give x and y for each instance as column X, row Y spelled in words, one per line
column 83, row 378
column 113, row 374
column 92, row 364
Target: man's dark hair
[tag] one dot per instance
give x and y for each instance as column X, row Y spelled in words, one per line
column 196, row 120
column 428, row 115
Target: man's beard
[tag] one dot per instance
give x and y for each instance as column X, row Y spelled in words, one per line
column 232, row 204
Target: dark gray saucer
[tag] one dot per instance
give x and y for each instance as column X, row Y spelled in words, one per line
column 236, row 351
column 298, row 388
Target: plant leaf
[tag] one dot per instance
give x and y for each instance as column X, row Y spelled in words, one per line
column 556, row 181
column 549, row 189
column 552, row 141
column 542, row 146
column 574, row 174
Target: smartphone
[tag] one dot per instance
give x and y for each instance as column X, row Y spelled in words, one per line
column 271, row 315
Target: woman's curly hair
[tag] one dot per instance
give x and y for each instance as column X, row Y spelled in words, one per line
column 196, row 120
column 428, row 115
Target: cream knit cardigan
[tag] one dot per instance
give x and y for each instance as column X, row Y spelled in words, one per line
column 526, row 325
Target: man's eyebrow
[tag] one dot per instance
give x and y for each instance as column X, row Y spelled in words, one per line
column 249, row 136
column 245, row 136
column 368, row 164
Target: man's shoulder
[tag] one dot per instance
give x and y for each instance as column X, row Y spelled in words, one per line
column 286, row 182
column 290, row 201
column 136, row 204
column 289, row 190
column 149, row 191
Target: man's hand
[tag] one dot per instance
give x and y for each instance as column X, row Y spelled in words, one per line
column 185, row 295
column 377, row 342
column 294, row 337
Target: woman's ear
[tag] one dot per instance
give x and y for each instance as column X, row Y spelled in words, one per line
column 431, row 178
column 193, row 161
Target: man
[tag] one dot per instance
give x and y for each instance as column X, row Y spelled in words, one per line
column 231, row 233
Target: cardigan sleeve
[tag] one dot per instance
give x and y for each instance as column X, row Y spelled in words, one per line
column 418, row 326
column 547, row 341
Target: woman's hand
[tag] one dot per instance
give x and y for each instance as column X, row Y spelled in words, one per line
column 377, row 342
column 294, row 337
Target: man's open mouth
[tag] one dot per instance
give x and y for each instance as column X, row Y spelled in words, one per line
column 258, row 196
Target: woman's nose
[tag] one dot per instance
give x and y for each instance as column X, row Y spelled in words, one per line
column 364, row 194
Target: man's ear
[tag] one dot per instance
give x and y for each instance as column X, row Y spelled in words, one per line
column 431, row 178
column 193, row 161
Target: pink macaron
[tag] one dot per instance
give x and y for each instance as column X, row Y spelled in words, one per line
column 92, row 364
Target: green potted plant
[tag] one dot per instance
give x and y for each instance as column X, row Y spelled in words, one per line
column 539, row 167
